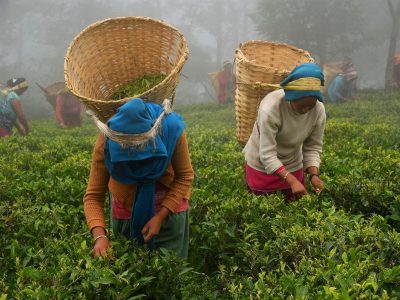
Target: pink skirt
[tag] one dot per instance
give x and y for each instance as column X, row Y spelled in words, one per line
column 260, row 183
column 5, row 133
column 120, row 212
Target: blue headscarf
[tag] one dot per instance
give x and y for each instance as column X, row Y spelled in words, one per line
column 142, row 166
column 302, row 71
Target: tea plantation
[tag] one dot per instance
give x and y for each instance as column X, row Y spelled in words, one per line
column 342, row 244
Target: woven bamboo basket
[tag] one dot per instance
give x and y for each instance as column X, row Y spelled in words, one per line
column 258, row 63
column 112, row 52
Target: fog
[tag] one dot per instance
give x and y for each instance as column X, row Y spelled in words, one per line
column 36, row 34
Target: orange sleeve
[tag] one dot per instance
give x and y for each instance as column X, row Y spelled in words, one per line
column 93, row 200
column 183, row 175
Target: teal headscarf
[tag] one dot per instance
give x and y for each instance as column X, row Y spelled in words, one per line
column 303, row 71
column 142, row 166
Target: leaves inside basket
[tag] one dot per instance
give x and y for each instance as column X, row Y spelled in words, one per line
column 138, row 86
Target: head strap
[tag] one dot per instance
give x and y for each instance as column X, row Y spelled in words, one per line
column 134, row 140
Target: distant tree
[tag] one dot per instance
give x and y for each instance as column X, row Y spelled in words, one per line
column 224, row 21
column 395, row 16
column 326, row 28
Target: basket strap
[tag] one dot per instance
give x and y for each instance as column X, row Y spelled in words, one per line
column 301, row 84
column 133, row 140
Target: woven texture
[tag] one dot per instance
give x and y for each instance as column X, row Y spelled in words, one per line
column 113, row 52
column 259, row 63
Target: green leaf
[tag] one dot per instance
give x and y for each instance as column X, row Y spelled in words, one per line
column 3, row 297
column 26, row 260
column 83, row 245
column 185, row 270
column 344, row 257
column 137, row 297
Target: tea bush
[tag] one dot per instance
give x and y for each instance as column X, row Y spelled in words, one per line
column 342, row 244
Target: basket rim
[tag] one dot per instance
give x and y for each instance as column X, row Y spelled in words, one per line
column 244, row 58
column 176, row 68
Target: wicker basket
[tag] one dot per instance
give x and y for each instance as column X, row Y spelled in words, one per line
column 112, row 52
column 52, row 91
column 257, row 63
column 330, row 71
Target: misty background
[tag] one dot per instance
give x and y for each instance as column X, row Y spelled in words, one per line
column 36, row 34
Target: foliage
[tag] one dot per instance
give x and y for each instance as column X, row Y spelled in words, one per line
column 138, row 86
column 342, row 244
column 323, row 27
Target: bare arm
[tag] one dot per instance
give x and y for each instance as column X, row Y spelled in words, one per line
column 16, row 104
column 19, row 127
column 59, row 108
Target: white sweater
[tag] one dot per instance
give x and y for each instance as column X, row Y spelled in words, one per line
column 282, row 136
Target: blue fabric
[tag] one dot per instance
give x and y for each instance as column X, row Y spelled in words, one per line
column 7, row 113
column 302, row 71
column 145, row 166
column 336, row 87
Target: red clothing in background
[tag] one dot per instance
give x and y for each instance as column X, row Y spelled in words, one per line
column 68, row 110
column 227, row 83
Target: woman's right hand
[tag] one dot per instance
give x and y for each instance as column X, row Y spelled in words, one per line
column 100, row 247
column 101, row 244
column 298, row 189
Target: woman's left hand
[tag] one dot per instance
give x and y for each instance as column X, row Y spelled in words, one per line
column 152, row 227
column 318, row 184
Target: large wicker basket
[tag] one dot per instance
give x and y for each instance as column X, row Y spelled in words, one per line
column 258, row 63
column 112, row 52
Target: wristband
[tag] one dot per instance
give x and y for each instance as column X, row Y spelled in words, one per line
column 99, row 236
column 285, row 176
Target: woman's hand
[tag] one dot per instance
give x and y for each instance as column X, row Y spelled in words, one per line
column 100, row 247
column 21, row 130
column 101, row 244
column 318, row 184
column 152, row 227
column 298, row 189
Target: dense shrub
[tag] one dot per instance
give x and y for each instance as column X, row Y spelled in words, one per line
column 342, row 244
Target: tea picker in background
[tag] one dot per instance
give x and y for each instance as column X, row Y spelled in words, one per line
column 351, row 75
column 142, row 156
column 226, row 84
column 11, row 112
column 396, row 71
column 287, row 136
column 68, row 109
column 344, row 86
